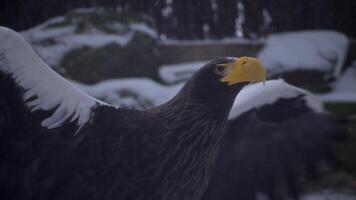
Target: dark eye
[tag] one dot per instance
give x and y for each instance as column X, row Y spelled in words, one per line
column 219, row 69
column 243, row 63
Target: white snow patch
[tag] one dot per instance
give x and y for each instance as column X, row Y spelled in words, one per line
column 41, row 34
column 311, row 50
column 233, row 40
column 344, row 89
column 65, row 38
column 65, row 41
column 38, row 33
column 97, row 40
column 50, row 90
column 142, row 27
column 256, row 95
column 147, row 89
column 52, row 54
column 174, row 73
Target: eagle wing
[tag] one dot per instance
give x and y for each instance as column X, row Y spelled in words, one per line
column 42, row 124
column 43, row 89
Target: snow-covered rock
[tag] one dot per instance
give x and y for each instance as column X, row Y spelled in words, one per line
column 138, row 93
column 92, row 45
column 324, row 51
column 344, row 88
column 174, row 73
column 57, row 36
column 233, row 40
column 307, row 50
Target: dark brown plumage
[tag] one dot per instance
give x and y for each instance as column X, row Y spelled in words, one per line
column 167, row 152
column 57, row 142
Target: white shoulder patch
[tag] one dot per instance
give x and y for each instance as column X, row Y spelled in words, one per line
column 45, row 89
column 257, row 95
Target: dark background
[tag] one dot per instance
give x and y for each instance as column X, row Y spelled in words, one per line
column 186, row 19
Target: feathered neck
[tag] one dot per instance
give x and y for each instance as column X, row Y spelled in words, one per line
column 197, row 120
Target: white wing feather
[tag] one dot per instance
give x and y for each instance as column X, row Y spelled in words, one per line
column 45, row 89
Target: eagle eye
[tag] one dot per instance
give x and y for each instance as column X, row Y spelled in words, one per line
column 219, row 69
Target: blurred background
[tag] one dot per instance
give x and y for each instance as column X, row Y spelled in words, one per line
column 138, row 53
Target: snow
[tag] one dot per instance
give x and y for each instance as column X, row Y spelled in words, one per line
column 179, row 72
column 45, row 89
column 310, row 50
column 344, row 89
column 52, row 54
column 284, row 52
column 40, row 33
column 232, row 40
column 65, row 38
column 144, row 89
column 97, row 40
column 256, row 95
column 142, row 27
column 327, row 195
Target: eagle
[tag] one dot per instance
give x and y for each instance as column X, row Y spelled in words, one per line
column 57, row 142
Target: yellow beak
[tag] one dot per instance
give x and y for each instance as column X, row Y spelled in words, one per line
column 244, row 69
